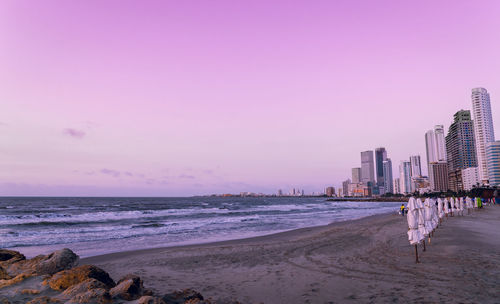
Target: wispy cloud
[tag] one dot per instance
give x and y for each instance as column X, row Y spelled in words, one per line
column 110, row 172
column 74, row 133
column 186, row 176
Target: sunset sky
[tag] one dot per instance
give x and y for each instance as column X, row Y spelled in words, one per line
column 168, row 98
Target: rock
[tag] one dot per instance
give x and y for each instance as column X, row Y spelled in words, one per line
column 30, row 291
column 82, row 287
column 4, row 275
column 97, row 296
column 10, row 256
column 66, row 278
column 17, row 279
column 150, row 300
column 57, row 261
column 128, row 288
column 43, row 300
column 180, row 297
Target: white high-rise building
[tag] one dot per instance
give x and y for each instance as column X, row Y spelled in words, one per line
column 493, row 161
column 416, row 168
column 435, row 145
column 470, row 177
column 405, row 177
column 397, row 185
column 483, row 128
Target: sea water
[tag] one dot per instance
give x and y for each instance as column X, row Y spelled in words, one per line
column 93, row 226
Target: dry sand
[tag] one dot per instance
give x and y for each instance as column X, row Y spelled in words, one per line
column 362, row 261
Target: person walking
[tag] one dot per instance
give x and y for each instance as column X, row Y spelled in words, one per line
column 402, row 209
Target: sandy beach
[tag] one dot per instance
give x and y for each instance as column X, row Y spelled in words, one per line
column 362, row 261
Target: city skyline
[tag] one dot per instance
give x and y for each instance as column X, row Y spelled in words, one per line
column 177, row 99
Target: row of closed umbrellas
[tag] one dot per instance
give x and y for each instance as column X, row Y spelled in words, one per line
column 424, row 217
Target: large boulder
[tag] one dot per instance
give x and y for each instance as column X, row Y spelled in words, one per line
column 67, row 278
column 42, row 264
column 58, row 260
column 43, row 300
column 96, row 296
column 181, row 297
column 129, row 288
column 83, row 287
column 10, row 256
column 150, row 300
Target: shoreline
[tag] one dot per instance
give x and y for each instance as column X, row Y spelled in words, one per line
column 367, row 260
column 246, row 240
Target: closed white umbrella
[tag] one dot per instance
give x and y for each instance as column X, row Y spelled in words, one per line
column 428, row 217
column 446, row 207
column 468, row 203
column 440, row 208
column 435, row 218
column 412, row 217
column 461, row 206
column 452, row 203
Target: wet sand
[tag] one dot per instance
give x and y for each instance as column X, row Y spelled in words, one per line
column 361, row 261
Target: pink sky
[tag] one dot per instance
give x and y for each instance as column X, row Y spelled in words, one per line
column 196, row 97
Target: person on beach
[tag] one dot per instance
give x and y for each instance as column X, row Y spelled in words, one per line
column 402, row 209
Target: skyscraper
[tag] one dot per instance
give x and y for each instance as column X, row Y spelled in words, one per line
column 387, row 168
column 438, row 176
column 483, row 128
column 367, row 168
column 380, row 157
column 435, row 145
column 493, row 161
column 405, row 177
column 460, row 148
column 397, row 185
column 416, row 167
column 356, row 175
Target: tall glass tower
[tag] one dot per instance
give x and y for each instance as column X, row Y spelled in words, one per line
column 483, row 128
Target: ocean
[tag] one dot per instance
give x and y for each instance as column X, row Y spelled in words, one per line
column 94, row 226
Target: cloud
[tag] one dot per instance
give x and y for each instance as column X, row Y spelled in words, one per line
column 74, row 133
column 186, row 176
column 110, row 172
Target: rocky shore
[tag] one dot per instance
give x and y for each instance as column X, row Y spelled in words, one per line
column 57, row 278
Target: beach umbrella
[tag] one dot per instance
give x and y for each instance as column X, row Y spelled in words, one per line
column 469, row 204
column 452, row 203
column 421, row 221
column 446, row 207
column 414, row 236
column 461, row 206
column 428, row 217
column 435, row 218
column 440, row 208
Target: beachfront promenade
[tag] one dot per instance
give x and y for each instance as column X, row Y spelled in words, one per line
column 362, row 261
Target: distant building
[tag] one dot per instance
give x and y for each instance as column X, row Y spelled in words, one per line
column 483, row 128
column 460, row 148
column 415, row 166
column 280, row 192
column 415, row 170
column 470, row 178
column 356, row 189
column 367, row 168
column 330, row 191
column 356, row 175
column 345, row 187
column 493, row 162
column 421, row 184
column 438, row 176
column 405, row 177
column 380, row 157
column 387, row 168
column 340, row 192
column 396, row 186
column 435, row 145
